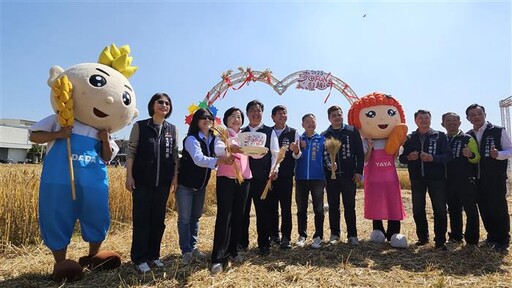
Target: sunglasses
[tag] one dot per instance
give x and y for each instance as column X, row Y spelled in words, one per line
column 162, row 102
column 206, row 117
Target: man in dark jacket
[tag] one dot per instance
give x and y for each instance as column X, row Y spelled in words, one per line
column 495, row 148
column 426, row 151
column 349, row 170
column 281, row 193
column 460, row 182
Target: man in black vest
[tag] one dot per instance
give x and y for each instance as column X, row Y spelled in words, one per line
column 426, row 151
column 281, row 193
column 260, row 169
column 460, row 182
column 495, row 148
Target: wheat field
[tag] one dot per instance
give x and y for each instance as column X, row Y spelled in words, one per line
column 25, row 262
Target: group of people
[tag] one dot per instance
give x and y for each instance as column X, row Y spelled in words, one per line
column 464, row 171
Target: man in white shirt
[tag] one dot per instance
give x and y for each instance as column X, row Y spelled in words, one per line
column 495, row 148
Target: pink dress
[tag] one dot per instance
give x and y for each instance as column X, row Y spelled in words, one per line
column 382, row 195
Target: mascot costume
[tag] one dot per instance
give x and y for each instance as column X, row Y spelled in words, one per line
column 381, row 121
column 91, row 100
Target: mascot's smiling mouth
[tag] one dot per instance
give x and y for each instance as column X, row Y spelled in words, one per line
column 103, row 115
column 383, row 126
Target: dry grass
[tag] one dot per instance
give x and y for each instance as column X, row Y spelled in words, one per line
column 339, row 265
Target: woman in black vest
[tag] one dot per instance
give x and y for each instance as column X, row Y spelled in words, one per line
column 151, row 173
column 197, row 161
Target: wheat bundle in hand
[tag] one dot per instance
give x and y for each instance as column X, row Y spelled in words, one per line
column 332, row 146
column 280, row 158
column 62, row 92
column 224, row 137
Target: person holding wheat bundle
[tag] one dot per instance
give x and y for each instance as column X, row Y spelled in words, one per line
column 349, row 170
column 380, row 118
column 197, row 161
column 91, row 100
column 281, row 194
column 232, row 192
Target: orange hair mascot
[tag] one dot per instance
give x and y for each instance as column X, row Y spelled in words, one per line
column 381, row 121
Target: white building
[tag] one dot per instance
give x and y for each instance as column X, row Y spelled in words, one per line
column 14, row 142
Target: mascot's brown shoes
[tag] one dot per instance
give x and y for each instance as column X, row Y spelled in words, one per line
column 104, row 260
column 68, row 270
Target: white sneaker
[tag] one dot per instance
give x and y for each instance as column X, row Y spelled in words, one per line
column 334, row 239
column 158, row 263
column 399, row 241
column 186, row 258
column 353, row 241
column 301, row 242
column 143, row 267
column 377, row 236
column 198, row 255
column 317, row 243
column 216, row 268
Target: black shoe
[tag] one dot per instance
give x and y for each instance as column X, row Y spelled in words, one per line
column 489, row 244
column 275, row 241
column 285, row 244
column 264, row 251
column 501, row 247
column 441, row 247
column 422, row 242
column 241, row 249
column 456, row 241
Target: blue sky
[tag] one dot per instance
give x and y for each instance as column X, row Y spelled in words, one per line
column 440, row 56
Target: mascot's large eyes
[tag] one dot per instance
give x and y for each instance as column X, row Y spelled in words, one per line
column 127, row 98
column 370, row 114
column 391, row 112
column 97, row 80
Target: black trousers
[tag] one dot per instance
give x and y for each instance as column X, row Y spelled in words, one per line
column 263, row 215
column 492, row 201
column 393, row 227
column 437, row 192
column 231, row 201
column 281, row 195
column 148, row 213
column 347, row 188
column 302, row 189
column 462, row 196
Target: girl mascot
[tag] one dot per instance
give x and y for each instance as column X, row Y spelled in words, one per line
column 380, row 119
column 91, row 100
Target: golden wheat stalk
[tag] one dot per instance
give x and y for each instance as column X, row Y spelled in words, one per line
column 332, row 146
column 280, row 158
column 224, row 137
column 62, row 95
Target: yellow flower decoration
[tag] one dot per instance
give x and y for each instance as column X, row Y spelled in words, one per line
column 118, row 59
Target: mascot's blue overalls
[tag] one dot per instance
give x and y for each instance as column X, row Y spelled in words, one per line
column 57, row 210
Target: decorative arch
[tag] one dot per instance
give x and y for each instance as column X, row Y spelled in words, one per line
column 305, row 79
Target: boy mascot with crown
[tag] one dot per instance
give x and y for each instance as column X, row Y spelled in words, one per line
column 380, row 119
column 91, row 100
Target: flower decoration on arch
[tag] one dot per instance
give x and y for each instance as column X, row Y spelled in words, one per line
column 203, row 104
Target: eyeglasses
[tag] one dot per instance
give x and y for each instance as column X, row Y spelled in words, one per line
column 163, row 102
column 206, row 117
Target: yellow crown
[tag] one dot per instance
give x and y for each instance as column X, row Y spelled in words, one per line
column 119, row 59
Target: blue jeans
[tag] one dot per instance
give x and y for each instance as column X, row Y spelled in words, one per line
column 190, row 203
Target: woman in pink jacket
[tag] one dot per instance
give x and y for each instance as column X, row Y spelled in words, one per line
column 231, row 196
